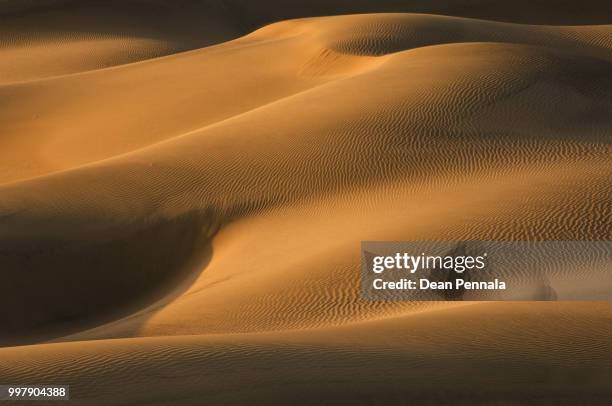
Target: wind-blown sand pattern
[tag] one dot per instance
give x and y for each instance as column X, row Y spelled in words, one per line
column 184, row 187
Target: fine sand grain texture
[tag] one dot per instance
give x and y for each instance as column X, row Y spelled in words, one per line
column 184, row 186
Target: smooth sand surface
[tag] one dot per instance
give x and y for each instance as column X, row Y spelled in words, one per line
column 182, row 199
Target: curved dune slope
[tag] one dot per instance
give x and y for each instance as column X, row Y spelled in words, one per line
column 53, row 38
column 432, row 356
column 47, row 38
column 36, row 139
column 222, row 194
column 404, row 132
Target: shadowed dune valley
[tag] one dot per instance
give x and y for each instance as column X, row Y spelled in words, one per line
column 188, row 189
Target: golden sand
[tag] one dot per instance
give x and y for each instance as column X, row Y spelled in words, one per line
column 182, row 200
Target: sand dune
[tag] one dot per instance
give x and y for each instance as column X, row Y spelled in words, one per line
column 437, row 356
column 54, row 38
column 317, row 51
column 47, row 38
column 185, row 198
